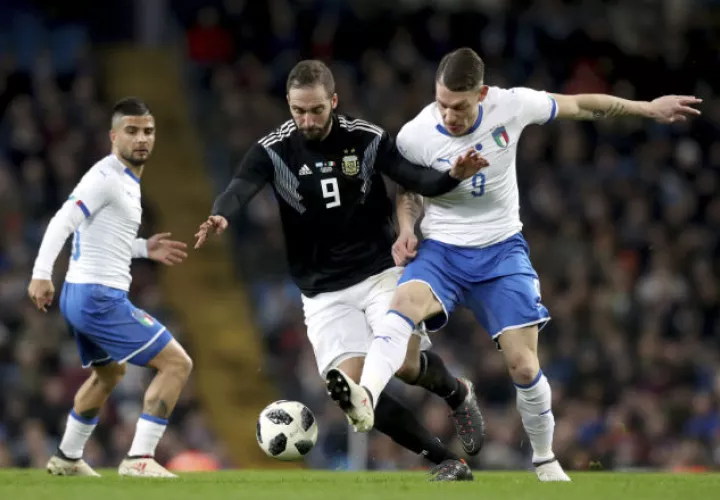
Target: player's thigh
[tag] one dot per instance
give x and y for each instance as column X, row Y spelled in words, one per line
column 109, row 321
column 379, row 301
column 110, row 374
column 429, row 288
column 508, row 303
column 73, row 299
column 337, row 330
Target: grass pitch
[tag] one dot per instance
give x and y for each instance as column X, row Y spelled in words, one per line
column 19, row 484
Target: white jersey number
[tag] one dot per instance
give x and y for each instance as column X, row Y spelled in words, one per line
column 331, row 190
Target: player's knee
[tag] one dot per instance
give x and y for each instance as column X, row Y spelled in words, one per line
column 414, row 304
column 180, row 365
column 107, row 377
column 184, row 365
column 173, row 360
column 523, row 365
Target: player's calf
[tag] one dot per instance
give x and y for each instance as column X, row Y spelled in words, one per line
column 534, row 395
column 174, row 367
column 430, row 372
column 84, row 416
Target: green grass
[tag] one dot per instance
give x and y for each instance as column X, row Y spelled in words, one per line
column 315, row 485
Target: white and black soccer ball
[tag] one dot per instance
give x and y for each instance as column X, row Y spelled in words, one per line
column 286, row 430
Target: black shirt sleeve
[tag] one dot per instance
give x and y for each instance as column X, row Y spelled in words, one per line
column 422, row 180
column 255, row 170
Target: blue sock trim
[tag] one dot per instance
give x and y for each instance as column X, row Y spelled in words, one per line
column 531, row 384
column 153, row 418
column 83, row 420
column 409, row 321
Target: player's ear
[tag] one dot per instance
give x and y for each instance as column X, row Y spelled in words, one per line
column 334, row 101
column 112, row 134
column 483, row 92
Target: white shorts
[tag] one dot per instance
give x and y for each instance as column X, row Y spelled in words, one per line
column 341, row 324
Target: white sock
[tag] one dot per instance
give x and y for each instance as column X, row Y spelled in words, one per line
column 534, row 402
column 387, row 352
column 77, row 433
column 148, row 432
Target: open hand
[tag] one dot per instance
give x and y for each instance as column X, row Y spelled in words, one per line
column 164, row 250
column 467, row 165
column 214, row 224
column 674, row 108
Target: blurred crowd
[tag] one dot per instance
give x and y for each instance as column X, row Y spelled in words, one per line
column 53, row 126
column 622, row 216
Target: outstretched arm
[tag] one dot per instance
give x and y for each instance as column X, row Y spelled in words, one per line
column 254, row 172
column 666, row 109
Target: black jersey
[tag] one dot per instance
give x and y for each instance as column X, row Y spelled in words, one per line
column 336, row 214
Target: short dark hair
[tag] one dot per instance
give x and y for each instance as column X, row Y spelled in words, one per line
column 309, row 73
column 129, row 106
column 461, row 70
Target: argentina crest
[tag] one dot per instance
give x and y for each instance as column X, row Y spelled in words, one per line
column 350, row 165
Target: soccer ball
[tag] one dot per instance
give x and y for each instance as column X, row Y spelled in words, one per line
column 286, row 430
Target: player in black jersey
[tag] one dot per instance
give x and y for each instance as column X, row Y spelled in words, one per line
column 325, row 169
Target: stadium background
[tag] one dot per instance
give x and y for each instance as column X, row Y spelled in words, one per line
column 623, row 217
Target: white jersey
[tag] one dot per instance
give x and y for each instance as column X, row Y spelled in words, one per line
column 104, row 212
column 485, row 209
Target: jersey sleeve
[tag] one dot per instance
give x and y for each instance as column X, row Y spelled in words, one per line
column 91, row 194
column 255, row 170
column 410, row 145
column 410, row 175
column 535, row 106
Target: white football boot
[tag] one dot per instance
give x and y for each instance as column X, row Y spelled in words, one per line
column 353, row 399
column 143, row 467
column 551, row 471
column 58, row 466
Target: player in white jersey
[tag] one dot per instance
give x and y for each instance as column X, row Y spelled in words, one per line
column 473, row 252
column 104, row 213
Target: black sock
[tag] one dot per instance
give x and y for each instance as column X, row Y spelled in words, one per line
column 62, row 455
column 400, row 424
column 435, row 377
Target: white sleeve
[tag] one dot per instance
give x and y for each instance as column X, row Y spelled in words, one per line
column 139, row 249
column 535, row 106
column 410, row 145
column 89, row 196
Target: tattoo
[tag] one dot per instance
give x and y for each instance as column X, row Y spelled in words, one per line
column 411, row 203
column 615, row 109
column 91, row 413
column 157, row 408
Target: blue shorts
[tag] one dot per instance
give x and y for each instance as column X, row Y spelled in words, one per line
column 497, row 283
column 107, row 327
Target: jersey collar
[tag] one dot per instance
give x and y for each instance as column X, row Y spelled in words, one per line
column 472, row 129
column 132, row 175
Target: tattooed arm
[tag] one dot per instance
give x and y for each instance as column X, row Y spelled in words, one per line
column 409, row 210
column 666, row 109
